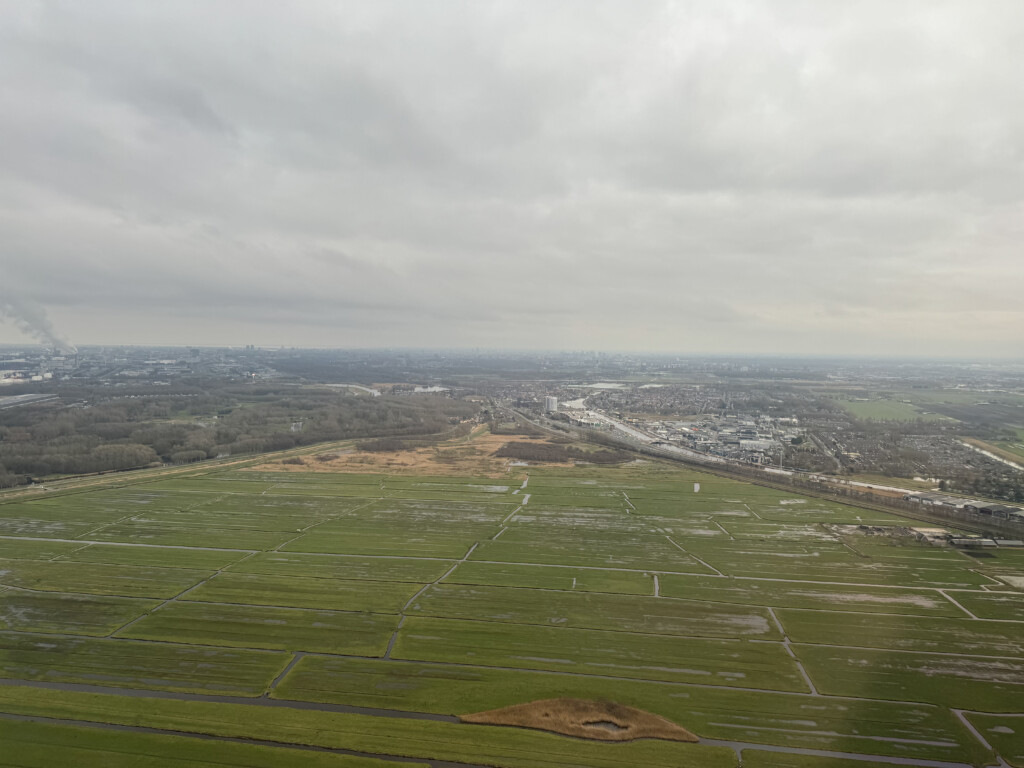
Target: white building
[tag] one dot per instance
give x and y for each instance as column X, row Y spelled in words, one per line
column 550, row 404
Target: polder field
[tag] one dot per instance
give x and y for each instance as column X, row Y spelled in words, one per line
column 254, row 617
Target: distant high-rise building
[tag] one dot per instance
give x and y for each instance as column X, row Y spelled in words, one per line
column 550, row 404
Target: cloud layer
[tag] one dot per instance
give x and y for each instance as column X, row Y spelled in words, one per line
column 793, row 177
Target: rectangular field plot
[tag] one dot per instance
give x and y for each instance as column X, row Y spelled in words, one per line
column 892, row 549
column 621, row 613
column 216, row 485
column 267, row 519
column 302, row 592
column 164, row 557
column 826, row 562
column 554, row 521
column 300, row 478
column 968, row 682
column 610, row 501
column 765, row 531
column 455, row 485
column 1005, row 734
column 32, row 527
column 98, row 578
column 419, row 513
column 612, row 654
column 387, row 541
column 915, row 731
column 96, row 615
column 28, row 549
column 636, row 552
column 244, row 626
column 992, row 605
column 409, row 569
column 831, row 597
column 552, row 577
column 44, row 745
column 797, row 510
column 170, row 534
column 442, row 494
column 352, row 492
column 135, row 664
column 906, row 633
column 74, row 509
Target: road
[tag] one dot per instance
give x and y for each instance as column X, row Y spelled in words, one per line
column 13, row 401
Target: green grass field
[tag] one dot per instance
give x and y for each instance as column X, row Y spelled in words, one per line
column 242, row 606
column 888, row 410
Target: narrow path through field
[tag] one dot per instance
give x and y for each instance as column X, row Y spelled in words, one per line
column 960, row 714
column 957, row 604
column 405, row 608
column 178, row 596
column 796, row 661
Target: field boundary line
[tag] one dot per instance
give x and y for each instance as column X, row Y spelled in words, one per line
column 962, row 717
column 178, row 596
column 789, row 650
column 438, row 580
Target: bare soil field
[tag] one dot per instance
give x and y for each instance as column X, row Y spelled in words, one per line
column 586, row 719
column 472, row 455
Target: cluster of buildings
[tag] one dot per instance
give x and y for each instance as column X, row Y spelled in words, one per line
column 19, row 369
column 751, row 439
column 972, row 506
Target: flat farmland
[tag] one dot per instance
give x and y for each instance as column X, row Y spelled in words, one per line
column 304, row 592
column 338, row 610
column 591, row 610
column 917, row 731
column 246, row 626
column 608, row 654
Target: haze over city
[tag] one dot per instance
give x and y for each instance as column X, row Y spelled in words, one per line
column 685, row 177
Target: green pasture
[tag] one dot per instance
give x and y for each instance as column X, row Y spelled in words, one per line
column 304, row 592
column 924, row 732
column 594, row 610
column 44, row 745
column 391, row 569
column 246, row 626
column 90, row 615
column 905, row 633
column 489, row 745
column 993, row 605
column 705, row 660
column 566, row 578
column 966, row 682
column 99, row 578
column 887, row 410
column 618, row 583
column 134, row 664
column 1005, row 734
column 819, row 597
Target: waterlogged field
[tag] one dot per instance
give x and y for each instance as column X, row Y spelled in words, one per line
column 240, row 617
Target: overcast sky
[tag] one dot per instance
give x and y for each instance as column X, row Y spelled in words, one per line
column 694, row 177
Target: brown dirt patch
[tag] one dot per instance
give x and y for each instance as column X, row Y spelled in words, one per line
column 586, row 719
column 472, row 455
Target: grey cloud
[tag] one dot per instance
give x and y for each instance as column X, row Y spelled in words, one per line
column 699, row 176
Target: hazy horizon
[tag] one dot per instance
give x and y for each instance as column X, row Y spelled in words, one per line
column 754, row 178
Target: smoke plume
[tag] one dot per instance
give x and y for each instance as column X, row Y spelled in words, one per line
column 31, row 318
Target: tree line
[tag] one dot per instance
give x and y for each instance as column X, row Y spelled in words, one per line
column 93, row 430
